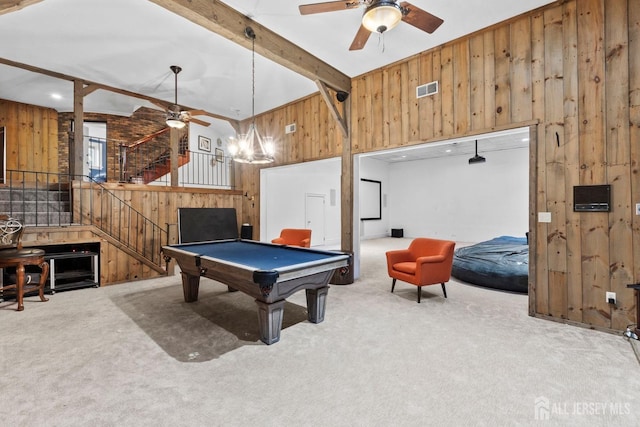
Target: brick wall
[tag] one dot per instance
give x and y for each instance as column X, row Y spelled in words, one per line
column 120, row 130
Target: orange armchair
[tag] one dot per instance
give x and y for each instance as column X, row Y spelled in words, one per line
column 294, row 237
column 425, row 262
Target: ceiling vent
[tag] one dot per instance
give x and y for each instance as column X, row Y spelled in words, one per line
column 427, row 89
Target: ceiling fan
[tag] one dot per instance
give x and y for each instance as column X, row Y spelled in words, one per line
column 176, row 117
column 379, row 16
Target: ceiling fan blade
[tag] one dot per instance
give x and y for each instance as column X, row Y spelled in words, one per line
column 330, row 6
column 200, row 122
column 196, row 112
column 419, row 18
column 360, row 39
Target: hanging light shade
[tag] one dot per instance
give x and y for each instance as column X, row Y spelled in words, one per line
column 252, row 147
column 382, row 16
column 174, row 117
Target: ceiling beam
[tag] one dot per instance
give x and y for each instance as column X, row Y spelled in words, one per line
column 221, row 19
column 324, row 92
column 8, row 6
column 93, row 86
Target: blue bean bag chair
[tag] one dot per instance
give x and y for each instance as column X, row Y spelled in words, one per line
column 500, row 263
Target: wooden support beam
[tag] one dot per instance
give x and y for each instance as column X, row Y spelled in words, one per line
column 332, row 108
column 8, row 6
column 76, row 152
column 346, row 187
column 174, row 143
column 93, row 86
column 221, row 19
column 90, row 89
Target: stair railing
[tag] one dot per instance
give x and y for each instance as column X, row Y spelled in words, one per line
column 37, row 198
column 143, row 156
column 78, row 200
column 147, row 161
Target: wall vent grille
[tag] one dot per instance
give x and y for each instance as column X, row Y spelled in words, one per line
column 290, row 128
column 427, row 89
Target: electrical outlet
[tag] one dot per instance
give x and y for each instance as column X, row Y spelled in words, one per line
column 637, row 208
column 610, row 297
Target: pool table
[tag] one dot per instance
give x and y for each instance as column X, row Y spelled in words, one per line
column 270, row 273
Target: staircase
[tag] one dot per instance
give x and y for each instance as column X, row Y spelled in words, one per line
column 37, row 206
column 149, row 158
column 47, row 199
column 161, row 166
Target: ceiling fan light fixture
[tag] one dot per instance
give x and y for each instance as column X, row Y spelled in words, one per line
column 175, row 123
column 382, row 16
column 174, row 115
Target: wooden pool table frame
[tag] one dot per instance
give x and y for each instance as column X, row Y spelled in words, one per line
column 269, row 288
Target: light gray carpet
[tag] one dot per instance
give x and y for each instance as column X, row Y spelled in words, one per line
column 137, row 355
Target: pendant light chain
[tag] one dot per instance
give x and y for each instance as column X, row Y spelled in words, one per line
column 251, row 147
column 253, row 79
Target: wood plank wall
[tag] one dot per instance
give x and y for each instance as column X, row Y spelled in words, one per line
column 116, row 266
column 573, row 69
column 317, row 136
column 160, row 204
column 31, row 137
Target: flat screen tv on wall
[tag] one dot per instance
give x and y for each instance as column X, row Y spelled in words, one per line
column 592, row 198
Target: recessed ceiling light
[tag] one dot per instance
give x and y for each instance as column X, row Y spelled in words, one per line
column 448, row 150
column 56, row 96
column 525, row 139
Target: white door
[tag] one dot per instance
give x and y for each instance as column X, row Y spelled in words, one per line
column 314, row 217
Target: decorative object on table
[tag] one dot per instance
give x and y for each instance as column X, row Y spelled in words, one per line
column 204, row 143
column 13, row 255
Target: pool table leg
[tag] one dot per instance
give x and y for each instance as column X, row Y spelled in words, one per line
column 270, row 319
column 190, row 287
column 316, row 303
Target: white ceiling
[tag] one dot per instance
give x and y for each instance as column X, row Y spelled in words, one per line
column 496, row 141
column 130, row 44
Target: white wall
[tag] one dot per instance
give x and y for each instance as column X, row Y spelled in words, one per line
column 207, row 171
column 283, row 195
column 378, row 171
column 451, row 199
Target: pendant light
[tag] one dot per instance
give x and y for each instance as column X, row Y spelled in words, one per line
column 252, row 147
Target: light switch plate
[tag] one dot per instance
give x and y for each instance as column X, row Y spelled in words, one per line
column 544, row 216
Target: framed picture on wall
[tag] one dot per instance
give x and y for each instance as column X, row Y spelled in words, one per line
column 204, row 143
column 219, row 155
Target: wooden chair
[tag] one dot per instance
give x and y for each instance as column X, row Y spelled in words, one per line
column 12, row 254
column 294, row 237
column 425, row 262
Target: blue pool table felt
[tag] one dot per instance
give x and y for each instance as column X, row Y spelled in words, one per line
column 258, row 256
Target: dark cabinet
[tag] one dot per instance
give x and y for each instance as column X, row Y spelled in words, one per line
column 71, row 270
column 71, row 266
